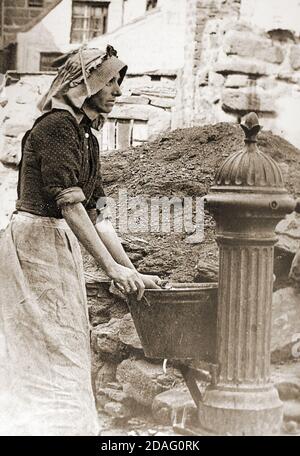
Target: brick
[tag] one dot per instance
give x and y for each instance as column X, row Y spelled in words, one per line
column 216, row 79
column 8, row 20
column 17, row 12
column 133, row 100
column 236, row 80
column 15, row 3
column 247, row 100
column 290, row 77
column 165, row 103
column 8, row 37
column 295, row 57
column 35, row 12
column 19, row 21
column 248, row 45
column 241, row 66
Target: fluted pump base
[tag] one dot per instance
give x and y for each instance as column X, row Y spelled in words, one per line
column 243, row 402
column 240, row 412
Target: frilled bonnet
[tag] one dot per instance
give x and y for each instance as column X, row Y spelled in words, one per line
column 81, row 74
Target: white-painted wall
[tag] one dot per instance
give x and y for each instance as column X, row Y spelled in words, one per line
column 153, row 42
column 272, row 14
column 114, row 15
column 134, row 9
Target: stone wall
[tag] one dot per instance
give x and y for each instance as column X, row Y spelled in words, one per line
column 51, row 34
column 199, row 15
column 125, row 383
column 18, row 14
column 232, row 67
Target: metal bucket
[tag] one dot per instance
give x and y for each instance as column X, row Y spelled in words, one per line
column 178, row 323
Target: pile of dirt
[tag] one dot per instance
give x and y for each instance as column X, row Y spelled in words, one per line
column 183, row 163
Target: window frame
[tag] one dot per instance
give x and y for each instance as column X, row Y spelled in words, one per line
column 54, row 55
column 89, row 30
column 151, row 5
column 35, row 3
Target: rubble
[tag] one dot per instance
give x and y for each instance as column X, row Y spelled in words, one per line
column 143, row 381
column 285, row 322
column 167, row 406
column 183, row 163
column 106, row 341
column 289, row 233
column 127, row 333
column 117, row 410
column 105, row 372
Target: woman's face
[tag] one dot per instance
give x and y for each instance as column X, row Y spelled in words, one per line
column 104, row 100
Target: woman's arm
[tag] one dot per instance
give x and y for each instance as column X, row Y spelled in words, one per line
column 81, row 225
column 111, row 240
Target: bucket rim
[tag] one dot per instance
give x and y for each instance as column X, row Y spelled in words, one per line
column 193, row 288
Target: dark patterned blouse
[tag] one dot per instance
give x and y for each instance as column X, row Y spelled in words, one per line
column 58, row 154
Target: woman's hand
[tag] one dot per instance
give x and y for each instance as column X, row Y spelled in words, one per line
column 151, row 281
column 127, row 280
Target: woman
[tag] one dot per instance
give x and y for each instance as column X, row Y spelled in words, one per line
column 45, row 374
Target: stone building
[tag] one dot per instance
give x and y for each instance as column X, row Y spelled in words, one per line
column 34, row 32
column 241, row 56
column 17, row 16
column 190, row 62
column 149, row 36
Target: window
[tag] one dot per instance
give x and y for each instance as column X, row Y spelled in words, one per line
column 151, row 4
column 46, row 59
column 89, row 19
column 36, row 3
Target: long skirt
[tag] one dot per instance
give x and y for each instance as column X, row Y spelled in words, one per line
column 45, row 362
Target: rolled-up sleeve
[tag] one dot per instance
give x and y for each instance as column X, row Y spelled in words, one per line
column 60, row 155
column 98, row 201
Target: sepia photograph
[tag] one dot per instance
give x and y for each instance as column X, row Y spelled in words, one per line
column 149, row 221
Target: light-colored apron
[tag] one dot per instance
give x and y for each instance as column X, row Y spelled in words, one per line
column 45, row 365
